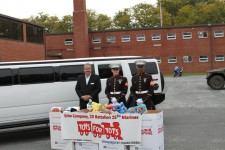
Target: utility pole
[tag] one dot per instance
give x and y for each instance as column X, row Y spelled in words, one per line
column 160, row 11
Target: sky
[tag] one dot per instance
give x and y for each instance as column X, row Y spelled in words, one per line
column 26, row 8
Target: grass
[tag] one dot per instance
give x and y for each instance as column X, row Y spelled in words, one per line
column 186, row 74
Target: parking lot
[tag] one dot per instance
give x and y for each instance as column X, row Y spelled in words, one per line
column 194, row 119
column 193, row 115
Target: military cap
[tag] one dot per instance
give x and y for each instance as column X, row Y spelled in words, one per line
column 140, row 62
column 113, row 66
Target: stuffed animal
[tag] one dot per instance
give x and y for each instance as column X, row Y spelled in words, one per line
column 120, row 108
column 140, row 108
column 97, row 107
column 90, row 106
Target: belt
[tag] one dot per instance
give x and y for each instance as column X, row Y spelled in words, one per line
column 141, row 92
column 118, row 92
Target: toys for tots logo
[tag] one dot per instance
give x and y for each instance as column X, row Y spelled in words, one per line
column 98, row 130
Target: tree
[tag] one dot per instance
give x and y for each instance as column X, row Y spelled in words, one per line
column 202, row 13
column 144, row 15
column 44, row 20
column 122, row 19
column 103, row 22
column 64, row 25
column 92, row 17
column 98, row 21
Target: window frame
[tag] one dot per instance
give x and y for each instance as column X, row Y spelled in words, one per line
column 170, row 58
column 218, row 35
column 189, row 59
column 140, row 37
column 96, row 39
column 187, row 37
column 172, row 36
column 68, row 41
column 111, row 39
column 201, row 34
column 156, row 37
column 125, row 38
column 219, row 56
column 203, row 59
column 159, row 60
column 22, row 75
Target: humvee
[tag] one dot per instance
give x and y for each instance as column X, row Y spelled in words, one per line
column 216, row 78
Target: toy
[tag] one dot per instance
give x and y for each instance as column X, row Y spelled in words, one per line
column 97, row 107
column 90, row 105
column 111, row 106
column 120, row 108
column 103, row 107
column 140, row 108
column 93, row 106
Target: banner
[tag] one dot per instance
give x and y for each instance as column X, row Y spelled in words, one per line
column 102, row 128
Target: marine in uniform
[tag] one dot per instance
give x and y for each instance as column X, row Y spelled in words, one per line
column 116, row 86
column 142, row 86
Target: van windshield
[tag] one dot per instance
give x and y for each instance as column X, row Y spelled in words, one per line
column 150, row 67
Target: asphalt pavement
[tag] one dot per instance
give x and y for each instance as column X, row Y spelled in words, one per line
column 194, row 119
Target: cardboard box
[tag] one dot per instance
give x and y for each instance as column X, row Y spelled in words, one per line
column 113, row 147
column 152, row 131
column 86, row 146
column 55, row 133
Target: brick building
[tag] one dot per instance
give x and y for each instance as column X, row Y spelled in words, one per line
column 196, row 48
column 20, row 41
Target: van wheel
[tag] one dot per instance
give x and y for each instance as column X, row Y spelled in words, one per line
column 162, row 81
column 216, row 82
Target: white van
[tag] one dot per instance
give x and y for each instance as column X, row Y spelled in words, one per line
column 28, row 90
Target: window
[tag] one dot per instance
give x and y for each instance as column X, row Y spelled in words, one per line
column 71, row 73
column 36, row 75
column 125, row 38
column 111, row 39
column 158, row 60
column 35, row 34
column 96, row 39
column 187, row 35
column 141, row 37
column 150, row 67
column 68, row 41
column 172, row 59
column 219, row 58
column 202, row 34
column 171, row 36
column 187, row 59
column 105, row 71
column 6, row 77
column 219, row 33
column 203, row 58
column 11, row 29
column 156, row 37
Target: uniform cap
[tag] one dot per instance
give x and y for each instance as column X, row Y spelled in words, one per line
column 112, row 66
column 140, row 62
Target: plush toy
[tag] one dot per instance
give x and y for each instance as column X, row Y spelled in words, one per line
column 90, row 105
column 97, row 107
column 103, row 107
column 140, row 108
column 93, row 106
column 120, row 108
column 111, row 106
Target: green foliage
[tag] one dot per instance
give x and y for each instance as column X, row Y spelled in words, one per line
column 174, row 13
column 98, row 21
column 122, row 19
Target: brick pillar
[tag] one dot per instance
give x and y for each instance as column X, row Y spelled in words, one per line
column 80, row 27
